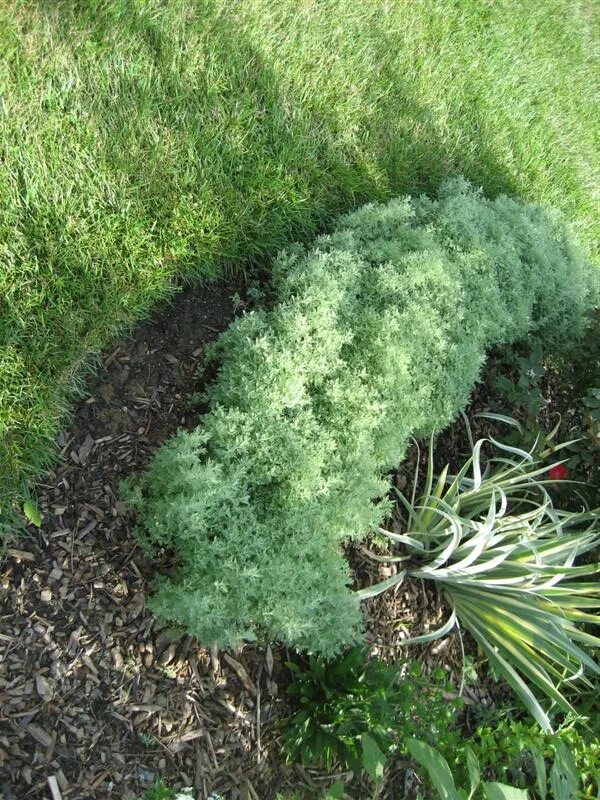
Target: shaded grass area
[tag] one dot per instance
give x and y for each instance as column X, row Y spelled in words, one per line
column 142, row 142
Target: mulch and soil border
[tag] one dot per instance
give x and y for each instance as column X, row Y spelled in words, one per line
column 99, row 698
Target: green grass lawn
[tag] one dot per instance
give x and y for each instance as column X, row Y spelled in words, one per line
column 142, row 141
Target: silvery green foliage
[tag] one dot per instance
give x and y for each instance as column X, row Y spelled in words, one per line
column 377, row 333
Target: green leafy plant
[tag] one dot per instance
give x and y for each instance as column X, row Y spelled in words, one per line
column 573, row 373
column 563, row 777
column 522, row 753
column 335, row 792
column 591, row 401
column 376, row 333
column 514, row 377
column 442, row 780
column 504, row 559
column 523, row 390
column 576, row 375
column 584, row 453
column 160, row 791
column 32, row 513
column 355, row 712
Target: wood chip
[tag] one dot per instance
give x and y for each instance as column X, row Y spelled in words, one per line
column 269, row 660
column 190, row 736
column 88, row 529
column 241, row 672
column 22, row 555
column 62, row 780
column 54, row 788
column 40, row 735
column 89, row 663
column 43, row 688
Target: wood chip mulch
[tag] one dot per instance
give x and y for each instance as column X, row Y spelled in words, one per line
column 98, row 698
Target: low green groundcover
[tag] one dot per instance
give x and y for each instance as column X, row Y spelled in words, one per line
column 376, row 333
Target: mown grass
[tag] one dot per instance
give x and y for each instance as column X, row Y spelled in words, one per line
column 142, row 142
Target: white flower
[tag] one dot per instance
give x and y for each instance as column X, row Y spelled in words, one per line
column 186, row 794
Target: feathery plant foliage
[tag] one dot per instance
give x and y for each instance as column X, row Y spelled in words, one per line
column 503, row 557
column 376, row 333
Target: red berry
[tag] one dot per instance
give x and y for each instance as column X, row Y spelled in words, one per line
column 558, row 472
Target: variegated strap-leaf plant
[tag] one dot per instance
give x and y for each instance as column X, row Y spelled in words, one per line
column 509, row 565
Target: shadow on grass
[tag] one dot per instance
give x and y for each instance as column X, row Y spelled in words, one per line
column 265, row 163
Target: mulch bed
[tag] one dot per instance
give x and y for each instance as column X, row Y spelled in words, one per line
column 98, row 698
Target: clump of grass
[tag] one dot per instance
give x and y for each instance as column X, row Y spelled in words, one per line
column 141, row 141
